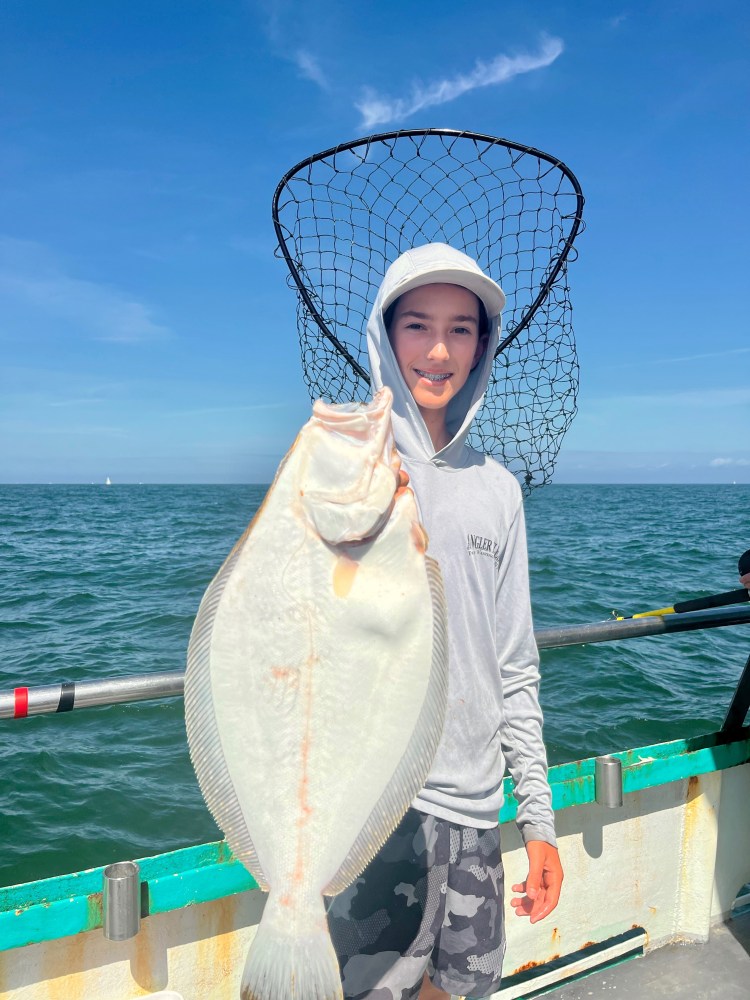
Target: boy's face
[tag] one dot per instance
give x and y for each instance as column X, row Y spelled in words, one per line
column 434, row 334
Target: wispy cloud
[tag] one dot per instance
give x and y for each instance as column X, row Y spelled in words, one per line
column 284, row 27
column 720, row 462
column 378, row 110
column 695, row 398
column 274, row 14
column 12, row 427
column 698, row 418
column 31, row 275
column 708, row 355
column 82, row 401
column 239, row 408
column 309, row 67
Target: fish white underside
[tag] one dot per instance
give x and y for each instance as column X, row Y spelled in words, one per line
column 314, row 695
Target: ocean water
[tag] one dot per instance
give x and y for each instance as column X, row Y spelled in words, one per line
column 105, row 581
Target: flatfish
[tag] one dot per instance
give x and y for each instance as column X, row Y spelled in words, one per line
column 316, row 684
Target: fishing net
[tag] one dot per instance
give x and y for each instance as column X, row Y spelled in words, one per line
column 343, row 215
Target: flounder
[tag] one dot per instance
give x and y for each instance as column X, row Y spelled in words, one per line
column 316, row 684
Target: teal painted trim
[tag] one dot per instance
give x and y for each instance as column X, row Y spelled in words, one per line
column 71, row 904
column 661, row 770
column 573, row 784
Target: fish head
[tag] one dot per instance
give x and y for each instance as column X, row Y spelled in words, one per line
column 350, row 469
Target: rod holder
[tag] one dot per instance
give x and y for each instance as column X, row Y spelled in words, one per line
column 122, row 900
column 608, row 781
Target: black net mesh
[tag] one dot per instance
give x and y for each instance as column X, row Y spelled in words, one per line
column 343, row 216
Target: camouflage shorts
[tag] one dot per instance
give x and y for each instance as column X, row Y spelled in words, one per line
column 430, row 901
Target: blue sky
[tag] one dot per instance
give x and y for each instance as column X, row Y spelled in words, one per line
column 146, row 329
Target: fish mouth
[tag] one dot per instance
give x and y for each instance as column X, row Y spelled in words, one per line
column 434, row 377
column 353, row 474
column 360, row 422
column 366, row 425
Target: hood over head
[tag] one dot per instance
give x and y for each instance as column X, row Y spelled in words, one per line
column 435, row 263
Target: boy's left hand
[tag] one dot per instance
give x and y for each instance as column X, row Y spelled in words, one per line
column 543, row 883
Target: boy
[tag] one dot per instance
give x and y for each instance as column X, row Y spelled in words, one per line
column 425, row 919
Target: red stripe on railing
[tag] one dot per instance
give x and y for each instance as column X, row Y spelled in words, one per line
column 20, row 703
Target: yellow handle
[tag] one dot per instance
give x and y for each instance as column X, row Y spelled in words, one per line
column 648, row 614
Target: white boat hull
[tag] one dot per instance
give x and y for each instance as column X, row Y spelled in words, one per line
column 665, row 867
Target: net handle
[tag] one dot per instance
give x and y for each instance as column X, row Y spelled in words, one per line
column 406, row 133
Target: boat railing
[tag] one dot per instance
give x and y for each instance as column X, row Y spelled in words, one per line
column 47, row 699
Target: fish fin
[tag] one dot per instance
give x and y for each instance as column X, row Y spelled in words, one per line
column 204, row 740
column 414, row 766
column 291, row 960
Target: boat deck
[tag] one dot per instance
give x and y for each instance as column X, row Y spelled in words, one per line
column 718, row 970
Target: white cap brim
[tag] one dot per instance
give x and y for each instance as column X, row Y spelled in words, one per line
column 425, row 271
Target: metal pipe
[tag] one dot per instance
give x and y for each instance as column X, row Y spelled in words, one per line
column 608, row 781
column 121, row 902
column 631, row 628
column 52, row 698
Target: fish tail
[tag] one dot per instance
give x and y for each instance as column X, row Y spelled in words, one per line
column 292, row 955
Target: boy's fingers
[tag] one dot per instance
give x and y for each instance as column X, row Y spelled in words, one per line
column 548, row 900
column 541, row 912
column 540, row 908
column 551, row 896
column 543, row 883
column 534, row 878
column 523, row 899
column 523, row 905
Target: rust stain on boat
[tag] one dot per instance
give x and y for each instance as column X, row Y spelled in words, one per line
column 62, row 976
column 149, row 965
column 693, row 812
column 94, row 910
column 216, row 957
column 525, row 967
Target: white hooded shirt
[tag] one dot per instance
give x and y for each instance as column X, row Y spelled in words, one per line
column 472, row 510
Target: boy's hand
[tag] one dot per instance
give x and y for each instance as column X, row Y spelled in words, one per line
column 543, row 883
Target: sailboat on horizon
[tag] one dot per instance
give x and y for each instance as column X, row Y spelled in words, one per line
column 107, row 481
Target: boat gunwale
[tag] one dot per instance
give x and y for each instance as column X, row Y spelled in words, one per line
column 66, row 905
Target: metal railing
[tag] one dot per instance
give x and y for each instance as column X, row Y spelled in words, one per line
column 22, row 702
column 632, row 628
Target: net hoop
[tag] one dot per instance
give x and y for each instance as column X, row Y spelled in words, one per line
column 494, row 199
